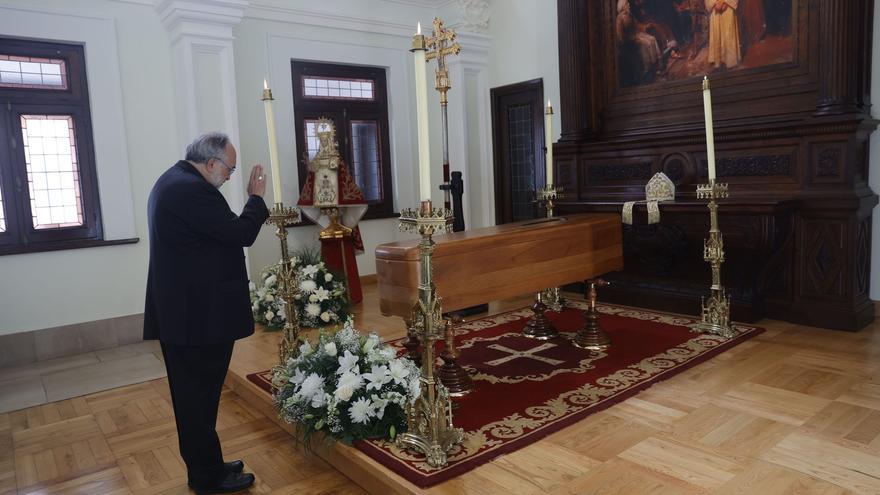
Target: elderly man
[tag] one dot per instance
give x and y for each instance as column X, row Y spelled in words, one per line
column 197, row 301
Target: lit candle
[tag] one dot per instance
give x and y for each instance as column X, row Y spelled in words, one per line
column 710, row 137
column 418, row 49
column 273, row 143
column 548, row 141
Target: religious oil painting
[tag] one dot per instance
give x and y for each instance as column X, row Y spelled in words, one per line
column 669, row 40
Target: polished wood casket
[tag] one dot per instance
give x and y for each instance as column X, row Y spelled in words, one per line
column 493, row 263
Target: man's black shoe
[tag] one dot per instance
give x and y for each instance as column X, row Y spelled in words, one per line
column 228, row 483
column 235, row 466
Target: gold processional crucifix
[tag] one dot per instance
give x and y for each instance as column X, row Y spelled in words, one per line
column 440, row 44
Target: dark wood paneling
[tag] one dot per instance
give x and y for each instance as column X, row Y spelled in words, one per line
column 791, row 140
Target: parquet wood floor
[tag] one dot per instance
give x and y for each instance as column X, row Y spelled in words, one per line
column 793, row 411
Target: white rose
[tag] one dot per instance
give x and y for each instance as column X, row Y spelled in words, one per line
column 271, row 280
column 269, row 315
column 256, row 306
column 269, row 298
column 325, row 316
column 328, row 277
column 330, row 348
column 313, row 298
column 344, row 392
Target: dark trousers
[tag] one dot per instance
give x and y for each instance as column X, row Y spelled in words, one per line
column 195, row 377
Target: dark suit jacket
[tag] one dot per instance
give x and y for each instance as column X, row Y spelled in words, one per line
column 197, row 287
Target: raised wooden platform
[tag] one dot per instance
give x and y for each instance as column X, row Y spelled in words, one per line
column 796, row 409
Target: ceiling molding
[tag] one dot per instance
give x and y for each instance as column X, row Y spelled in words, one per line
column 324, row 19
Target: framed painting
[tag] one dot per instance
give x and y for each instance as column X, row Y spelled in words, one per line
column 670, row 40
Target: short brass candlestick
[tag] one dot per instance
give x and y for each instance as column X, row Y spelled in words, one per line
column 591, row 336
column 715, row 311
column 539, row 326
column 288, row 285
column 452, row 375
column 429, row 419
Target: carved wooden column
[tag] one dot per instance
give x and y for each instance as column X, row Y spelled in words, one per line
column 574, row 63
column 843, row 44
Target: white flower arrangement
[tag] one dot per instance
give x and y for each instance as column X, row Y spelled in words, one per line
column 348, row 386
column 322, row 300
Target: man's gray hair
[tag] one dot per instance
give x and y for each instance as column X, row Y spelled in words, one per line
column 207, row 146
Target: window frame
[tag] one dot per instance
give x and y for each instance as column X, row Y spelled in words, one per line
column 343, row 112
column 20, row 235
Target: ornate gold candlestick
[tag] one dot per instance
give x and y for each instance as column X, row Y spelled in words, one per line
column 715, row 311
column 551, row 297
column 430, row 417
column 288, row 286
column 546, row 195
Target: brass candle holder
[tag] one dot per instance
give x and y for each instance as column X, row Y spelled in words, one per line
column 715, row 311
column 539, row 326
column 546, row 195
column 453, row 376
column 591, row 336
column 288, row 286
column 430, row 417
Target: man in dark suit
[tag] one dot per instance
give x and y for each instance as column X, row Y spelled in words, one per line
column 197, row 301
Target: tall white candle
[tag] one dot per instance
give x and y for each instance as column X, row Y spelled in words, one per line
column 418, row 49
column 710, row 136
column 548, row 141
column 273, row 143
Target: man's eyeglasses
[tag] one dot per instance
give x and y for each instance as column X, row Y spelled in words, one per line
column 231, row 169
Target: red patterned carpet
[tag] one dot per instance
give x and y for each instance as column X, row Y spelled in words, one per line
column 526, row 389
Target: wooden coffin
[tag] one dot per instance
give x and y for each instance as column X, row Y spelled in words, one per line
column 493, row 263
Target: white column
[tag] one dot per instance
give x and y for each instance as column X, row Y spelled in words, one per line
column 200, row 33
column 470, row 128
column 201, row 38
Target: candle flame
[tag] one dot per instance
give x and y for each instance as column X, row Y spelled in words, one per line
column 419, row 28
column 265, row 84
column 548, row 104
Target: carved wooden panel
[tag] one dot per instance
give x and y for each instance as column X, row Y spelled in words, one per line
column 827, row 162
column 823, row 245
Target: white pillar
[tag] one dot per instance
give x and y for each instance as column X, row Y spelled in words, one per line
column 470, row 118
column 201, row 38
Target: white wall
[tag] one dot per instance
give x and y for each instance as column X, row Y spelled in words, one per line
column 525, row 47
column 132, row 119
column 133, row 81
column 874, row 162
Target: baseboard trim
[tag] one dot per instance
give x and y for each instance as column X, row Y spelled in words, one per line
column 369, row 279
column 17, row 349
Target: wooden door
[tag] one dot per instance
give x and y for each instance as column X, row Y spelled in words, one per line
column 518, row 138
